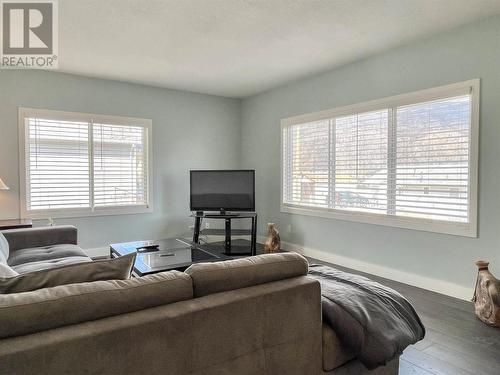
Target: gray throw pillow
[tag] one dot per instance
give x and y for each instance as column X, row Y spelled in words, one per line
column 4, row 249
column 108, row 269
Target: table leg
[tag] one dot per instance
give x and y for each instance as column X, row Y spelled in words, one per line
column 227, row 242
column 196, row 231
column 254, row 235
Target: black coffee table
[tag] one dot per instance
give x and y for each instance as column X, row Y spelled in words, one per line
column 172, row 254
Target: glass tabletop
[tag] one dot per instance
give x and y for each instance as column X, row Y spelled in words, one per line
column 163, row 255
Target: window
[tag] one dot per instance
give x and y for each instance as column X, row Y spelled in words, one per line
column 408, row 161
column 75, row 164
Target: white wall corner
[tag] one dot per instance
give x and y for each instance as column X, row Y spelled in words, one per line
column 435, row 285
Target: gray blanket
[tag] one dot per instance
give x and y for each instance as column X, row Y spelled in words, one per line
column 375, row 322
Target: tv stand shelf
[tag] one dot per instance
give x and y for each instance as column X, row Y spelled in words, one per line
column 222, row 232
column 228, row 232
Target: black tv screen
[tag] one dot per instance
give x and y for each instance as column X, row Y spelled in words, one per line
column 222, row 190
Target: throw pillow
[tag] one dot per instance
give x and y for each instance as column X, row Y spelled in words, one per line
column 4, row 249
column 108, row 269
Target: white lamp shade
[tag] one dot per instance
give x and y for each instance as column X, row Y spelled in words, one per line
column 3, row 186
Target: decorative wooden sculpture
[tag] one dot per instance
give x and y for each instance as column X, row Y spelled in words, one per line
column 487, row 295
column 273, row 242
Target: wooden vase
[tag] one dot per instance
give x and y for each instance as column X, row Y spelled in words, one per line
column 487, row 295
column 273, row 242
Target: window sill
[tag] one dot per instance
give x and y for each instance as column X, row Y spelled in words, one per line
column 80, row 213
column 435, row 226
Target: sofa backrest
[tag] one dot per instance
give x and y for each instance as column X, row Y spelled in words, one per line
column 272, row 328
column 218, row 277
column 43, row 309
column 40, row 236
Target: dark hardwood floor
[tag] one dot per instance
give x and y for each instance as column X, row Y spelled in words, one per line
column 456, row 342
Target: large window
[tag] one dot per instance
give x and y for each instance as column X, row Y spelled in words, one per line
column 408, row 161
column 75, row 164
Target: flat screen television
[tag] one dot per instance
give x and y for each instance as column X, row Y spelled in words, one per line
column 222, row 190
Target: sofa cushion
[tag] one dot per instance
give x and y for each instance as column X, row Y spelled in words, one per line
column 50, row 263
column 24, row 313
column 45, row 253
column 6, row 271
column 218, row 277
column 4, row 249
column 334, row 353
column 107, row 269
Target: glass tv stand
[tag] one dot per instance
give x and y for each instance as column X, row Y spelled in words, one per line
column 228, row 247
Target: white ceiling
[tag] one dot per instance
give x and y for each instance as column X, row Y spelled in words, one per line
column 237, row 48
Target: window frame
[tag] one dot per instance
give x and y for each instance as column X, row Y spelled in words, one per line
column 24, row 113
column 468, row 229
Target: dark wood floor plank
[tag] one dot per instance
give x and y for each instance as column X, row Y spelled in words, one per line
column 451, row 327
column 465, row 362
column 432, row 364
column 461, row 345
column 423, row 344
column 408, row 368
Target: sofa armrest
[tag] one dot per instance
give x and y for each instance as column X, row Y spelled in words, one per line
column 42, row 236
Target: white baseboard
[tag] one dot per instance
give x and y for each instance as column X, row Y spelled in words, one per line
column 435, row 285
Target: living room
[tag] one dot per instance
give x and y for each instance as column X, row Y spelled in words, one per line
column 189, row 187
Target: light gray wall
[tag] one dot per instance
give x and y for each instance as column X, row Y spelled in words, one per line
column 466, row 53
column 189, row 131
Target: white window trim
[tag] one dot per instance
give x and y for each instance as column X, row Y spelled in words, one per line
column 24, row 113
column 469, row 229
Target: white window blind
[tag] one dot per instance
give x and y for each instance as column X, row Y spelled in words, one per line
column 57, row 167
column 361, row 151
column 120, row 176
column 307, row 163
column 433, row 159
column 412, row 163
column 78, row 164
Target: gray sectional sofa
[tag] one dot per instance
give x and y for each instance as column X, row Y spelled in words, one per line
column 257, row 315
